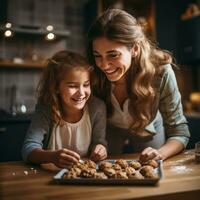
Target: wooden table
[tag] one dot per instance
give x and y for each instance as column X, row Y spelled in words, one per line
column 181, row 181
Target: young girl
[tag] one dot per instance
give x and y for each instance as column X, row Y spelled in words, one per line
column 138, row 84
column 68, row 123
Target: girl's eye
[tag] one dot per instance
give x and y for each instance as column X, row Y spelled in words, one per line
column 72, row 86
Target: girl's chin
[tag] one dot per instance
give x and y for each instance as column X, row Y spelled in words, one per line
column 79, row 106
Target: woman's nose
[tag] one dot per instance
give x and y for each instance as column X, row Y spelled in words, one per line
column 104, row 64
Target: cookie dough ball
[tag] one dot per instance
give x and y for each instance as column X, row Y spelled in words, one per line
column 130, row 171
column 90, row 164
column 122, row 163
column 76, row 170
column 109, row 172
column 148, row 171
column 137, row 175
column 70, row 174
column 116, row 167
column 103, row 165
column 152, row 163
column 121, row 175
column 88, row 172
column 77, row 165
column 100, row 175
column 135, row 164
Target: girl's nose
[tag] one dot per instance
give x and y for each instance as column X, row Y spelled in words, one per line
column 81, row 90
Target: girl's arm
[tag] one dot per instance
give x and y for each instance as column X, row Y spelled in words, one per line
column 61, row 158
column 98, row 153
column 38, row 131
column 37, row 138
column 98, row 144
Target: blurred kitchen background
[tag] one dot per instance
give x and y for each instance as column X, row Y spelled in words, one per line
column 32, row 30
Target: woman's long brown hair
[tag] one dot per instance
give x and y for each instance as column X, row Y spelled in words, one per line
column 119, row 26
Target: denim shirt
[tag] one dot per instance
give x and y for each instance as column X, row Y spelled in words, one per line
column 168, row 103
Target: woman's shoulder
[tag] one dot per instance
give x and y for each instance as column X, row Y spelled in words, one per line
column 165, row 75
column 165, row 69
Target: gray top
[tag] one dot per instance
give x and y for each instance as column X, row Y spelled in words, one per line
column 40, row 129
column 168, row 103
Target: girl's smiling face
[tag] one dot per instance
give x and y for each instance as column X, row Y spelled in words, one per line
column 113, row 58
column 74, row 89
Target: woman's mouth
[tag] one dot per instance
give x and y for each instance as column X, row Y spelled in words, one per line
column 110, row 72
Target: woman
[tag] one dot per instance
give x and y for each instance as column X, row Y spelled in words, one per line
column 138, row 84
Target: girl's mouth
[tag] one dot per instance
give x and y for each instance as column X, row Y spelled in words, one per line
column 79, row 100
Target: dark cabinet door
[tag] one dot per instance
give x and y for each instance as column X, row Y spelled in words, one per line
column 189, row 40
column 11, row 139
column 194, row 127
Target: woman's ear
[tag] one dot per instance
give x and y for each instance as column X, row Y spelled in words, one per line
column 135, row 50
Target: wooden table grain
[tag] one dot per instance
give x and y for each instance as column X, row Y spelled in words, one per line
column 181, row 181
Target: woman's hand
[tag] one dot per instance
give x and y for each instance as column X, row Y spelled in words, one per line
column 65, row 157
column 150, row 153
column 98, row 153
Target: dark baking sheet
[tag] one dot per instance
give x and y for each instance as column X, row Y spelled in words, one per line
column 112, row 181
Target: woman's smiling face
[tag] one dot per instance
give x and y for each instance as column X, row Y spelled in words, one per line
column 113, row 58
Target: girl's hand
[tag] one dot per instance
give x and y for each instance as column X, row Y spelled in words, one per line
column 98, row 153
column 149, row 154
column 65, row 157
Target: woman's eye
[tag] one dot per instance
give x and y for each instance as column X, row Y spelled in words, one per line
column 87, row 85
column 113, row 55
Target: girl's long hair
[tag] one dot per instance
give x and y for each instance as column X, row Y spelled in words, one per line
column 119, row 26
column 52, row 75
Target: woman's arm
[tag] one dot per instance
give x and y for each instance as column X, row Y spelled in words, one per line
column 176, row 128
column 170, row 148
column 171, row 109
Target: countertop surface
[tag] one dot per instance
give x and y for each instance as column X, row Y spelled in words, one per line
column 7, row 117
column 181, row 181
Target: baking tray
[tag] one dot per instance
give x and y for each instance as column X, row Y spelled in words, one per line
column 58, row 178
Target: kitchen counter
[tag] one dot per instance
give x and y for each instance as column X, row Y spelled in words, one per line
column 6, row 117
column 181, row 181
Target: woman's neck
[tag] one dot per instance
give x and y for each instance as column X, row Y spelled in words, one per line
column 121, row 81
column 120, row 92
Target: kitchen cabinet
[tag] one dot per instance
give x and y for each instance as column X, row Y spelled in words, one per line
column 12, row 133
column 189, row 41
column 194, row 127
